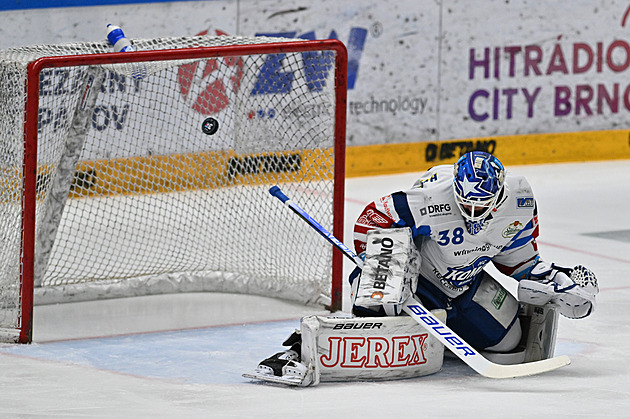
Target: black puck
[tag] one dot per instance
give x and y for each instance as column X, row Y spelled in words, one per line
column 210, row 126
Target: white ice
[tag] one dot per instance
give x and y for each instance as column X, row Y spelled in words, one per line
column 183, row 355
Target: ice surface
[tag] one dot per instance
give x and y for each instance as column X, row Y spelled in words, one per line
column 183, row 355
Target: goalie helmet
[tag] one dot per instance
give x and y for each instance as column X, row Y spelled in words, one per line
column 478, row 186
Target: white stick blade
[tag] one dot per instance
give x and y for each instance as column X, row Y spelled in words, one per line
column 523, row 370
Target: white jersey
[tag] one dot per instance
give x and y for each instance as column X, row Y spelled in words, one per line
column 451, row 257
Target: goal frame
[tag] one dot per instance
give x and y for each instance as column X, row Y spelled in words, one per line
column 28, row 217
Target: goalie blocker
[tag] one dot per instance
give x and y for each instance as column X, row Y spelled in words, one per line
column 390, row 270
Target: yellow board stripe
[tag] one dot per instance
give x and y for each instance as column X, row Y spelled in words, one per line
column 511, row 150
column 215, row 169
column 194, row 171
column 179, row 172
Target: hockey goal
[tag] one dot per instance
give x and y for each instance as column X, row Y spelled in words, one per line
column 126, row 174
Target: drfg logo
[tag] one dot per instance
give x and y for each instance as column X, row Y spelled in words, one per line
column 438, row 209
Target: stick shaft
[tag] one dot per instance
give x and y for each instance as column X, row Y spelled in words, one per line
column 275, row 191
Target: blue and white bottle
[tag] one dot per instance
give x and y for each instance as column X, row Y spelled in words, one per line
column 117, row 38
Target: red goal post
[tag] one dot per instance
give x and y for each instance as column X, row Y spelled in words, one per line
column 104, row 220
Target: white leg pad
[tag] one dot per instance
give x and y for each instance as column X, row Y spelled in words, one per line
column 542, row 331
column 369, row 348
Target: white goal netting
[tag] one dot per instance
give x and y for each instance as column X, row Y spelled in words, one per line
column 132, row 197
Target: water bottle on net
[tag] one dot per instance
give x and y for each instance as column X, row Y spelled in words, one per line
column 117, row 38
column 121, row 43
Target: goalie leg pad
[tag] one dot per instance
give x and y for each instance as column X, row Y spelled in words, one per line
column 538, row 341
column 541, row 325
column 369, row 348
column 349, row 348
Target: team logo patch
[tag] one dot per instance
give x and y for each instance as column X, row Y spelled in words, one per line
column 499, row 298
column 460, row 276
column 435, row 210
column 512, row 229
column 526, row 202
column 421, row 182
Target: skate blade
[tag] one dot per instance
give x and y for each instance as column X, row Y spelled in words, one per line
column 289, row 381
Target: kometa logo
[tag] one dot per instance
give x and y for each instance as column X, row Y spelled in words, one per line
column 203, row 88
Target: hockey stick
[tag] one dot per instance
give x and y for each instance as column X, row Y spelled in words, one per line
column 433, row 325
column 275, row 191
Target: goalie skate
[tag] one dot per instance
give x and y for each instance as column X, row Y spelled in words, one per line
column 297, row 380
column 283, row 368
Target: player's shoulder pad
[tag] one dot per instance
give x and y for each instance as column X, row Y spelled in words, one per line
column 518, row 184
column 520, row 191
column 437, row 175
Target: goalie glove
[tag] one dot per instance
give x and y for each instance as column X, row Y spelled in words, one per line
column 572, row 291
